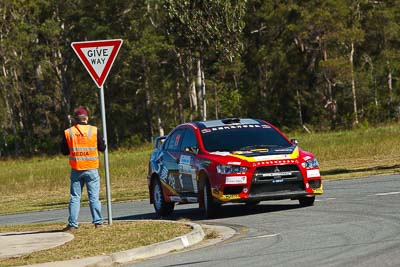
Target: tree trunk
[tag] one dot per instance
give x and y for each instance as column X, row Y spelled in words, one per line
column 178, row 89
column 179, row 102
column 331, row 103
column 203, row 95
column 390, row 86
column 148, row 101
column 202, row 88
column 159, row 123
column 299, row 107
column 353, row 84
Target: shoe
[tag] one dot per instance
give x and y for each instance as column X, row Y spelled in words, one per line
column 98, row 226
column 70, row 228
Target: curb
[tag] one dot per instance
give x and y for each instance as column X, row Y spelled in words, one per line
column 178, row 243
column 195, row 236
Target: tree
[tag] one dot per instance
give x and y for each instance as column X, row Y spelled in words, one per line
column 201, row 26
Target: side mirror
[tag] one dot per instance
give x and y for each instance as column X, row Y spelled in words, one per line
column 294, row 141
column 192, row 149
column 158, row 141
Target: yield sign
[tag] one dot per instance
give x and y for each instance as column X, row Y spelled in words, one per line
column 97, row 57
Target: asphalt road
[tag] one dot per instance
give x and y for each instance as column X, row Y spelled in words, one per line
column 355, row 223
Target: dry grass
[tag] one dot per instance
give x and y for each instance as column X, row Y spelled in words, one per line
column 89, row 241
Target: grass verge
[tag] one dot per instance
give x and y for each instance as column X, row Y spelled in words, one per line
column 89, row 241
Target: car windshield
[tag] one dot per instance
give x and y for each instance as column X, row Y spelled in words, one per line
column 235, row 139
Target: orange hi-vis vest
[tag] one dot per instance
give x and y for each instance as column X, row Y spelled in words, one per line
column 82, row 143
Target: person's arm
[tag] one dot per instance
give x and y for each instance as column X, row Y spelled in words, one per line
column 64, row 146
column 101, row 146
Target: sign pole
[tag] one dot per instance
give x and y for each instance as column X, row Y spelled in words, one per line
column 98, row 57
column 106, row 169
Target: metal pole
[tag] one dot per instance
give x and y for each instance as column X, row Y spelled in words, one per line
column 108, row 187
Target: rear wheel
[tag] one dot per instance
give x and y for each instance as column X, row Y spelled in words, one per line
column 307, row 201
column 210, row 206
column 161, row 207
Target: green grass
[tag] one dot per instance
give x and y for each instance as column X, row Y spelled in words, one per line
column 43, row 183
column 89, row 241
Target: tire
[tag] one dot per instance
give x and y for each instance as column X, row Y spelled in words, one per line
column 210, row 206
column 307, row 201
column 161, row 207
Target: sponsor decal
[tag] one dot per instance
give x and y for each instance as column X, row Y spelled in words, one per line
column 230, row 127
column 313, row 173
column 171, row 181
column 306, row 158
column 276, row 174
column 234, row 163
column 174, row 199
column 163, row 173
column 235, row 179
column 270, row 157
column 221, row 153
column 192, row 199
column 185, row 160
column 231, row 196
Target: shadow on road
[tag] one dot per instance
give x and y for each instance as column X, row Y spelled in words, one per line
column 226, row 211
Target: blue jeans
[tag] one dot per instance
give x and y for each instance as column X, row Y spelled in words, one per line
column 92, row 180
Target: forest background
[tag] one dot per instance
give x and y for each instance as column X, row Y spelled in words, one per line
column 302, row 65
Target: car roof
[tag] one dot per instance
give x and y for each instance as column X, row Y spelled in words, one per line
column 227, row 122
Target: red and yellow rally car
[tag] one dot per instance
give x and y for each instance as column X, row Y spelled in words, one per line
column 229, row 160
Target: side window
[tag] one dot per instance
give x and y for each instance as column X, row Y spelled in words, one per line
column 189, row 139
column 175, row 140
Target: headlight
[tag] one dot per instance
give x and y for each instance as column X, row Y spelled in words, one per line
column 229, row 169
column 310, row 164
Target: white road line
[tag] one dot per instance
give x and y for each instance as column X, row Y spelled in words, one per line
column 325, row 199
column 387, row 194
column 264, row 236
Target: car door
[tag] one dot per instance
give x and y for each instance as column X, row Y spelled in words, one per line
column 186, row 164
column 171, row 158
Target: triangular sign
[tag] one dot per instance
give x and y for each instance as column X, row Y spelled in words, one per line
column 97, row 57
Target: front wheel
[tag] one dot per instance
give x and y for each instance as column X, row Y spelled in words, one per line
column 161, row 207
column 210, row 206
column 307, row 201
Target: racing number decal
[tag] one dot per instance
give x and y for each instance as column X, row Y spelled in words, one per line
column 187, row 174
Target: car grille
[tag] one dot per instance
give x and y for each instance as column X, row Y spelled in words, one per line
column 280, row 178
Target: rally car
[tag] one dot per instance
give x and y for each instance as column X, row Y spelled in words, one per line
column 230, row 160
